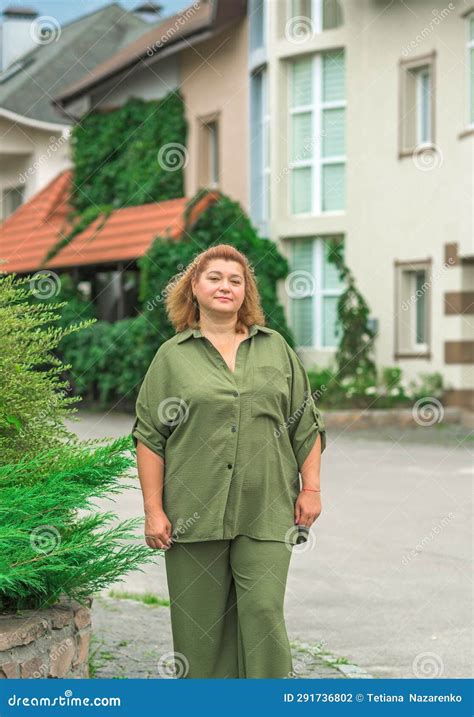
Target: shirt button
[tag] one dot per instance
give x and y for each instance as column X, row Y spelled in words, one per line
column 235, row 393
column 229, row 465
column 234, row 428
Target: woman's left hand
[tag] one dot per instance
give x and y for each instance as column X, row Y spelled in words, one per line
column 307, row 507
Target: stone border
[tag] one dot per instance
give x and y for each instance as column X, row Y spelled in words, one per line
column 318, row 656
column 361, row 418
column 350, row 669
column 50, row 643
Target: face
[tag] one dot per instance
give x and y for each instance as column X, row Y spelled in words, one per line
column 221, row 280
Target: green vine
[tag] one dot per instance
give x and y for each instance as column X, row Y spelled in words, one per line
column 354, row 354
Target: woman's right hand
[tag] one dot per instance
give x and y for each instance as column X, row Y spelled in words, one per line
column 158, row 530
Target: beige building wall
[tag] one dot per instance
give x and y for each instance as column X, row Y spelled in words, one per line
column 214, row 82
column 399, row 207
column 212, row 76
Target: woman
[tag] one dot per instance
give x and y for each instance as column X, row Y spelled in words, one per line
column 225, row 422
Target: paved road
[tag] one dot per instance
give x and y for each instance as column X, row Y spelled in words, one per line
column 386, row 579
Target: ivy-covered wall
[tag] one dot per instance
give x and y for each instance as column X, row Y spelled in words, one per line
column 118, row 160
column 115, row 154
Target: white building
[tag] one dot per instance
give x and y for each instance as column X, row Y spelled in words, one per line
column 362, row 127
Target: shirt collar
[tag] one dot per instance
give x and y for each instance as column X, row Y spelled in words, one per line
column 189, row 331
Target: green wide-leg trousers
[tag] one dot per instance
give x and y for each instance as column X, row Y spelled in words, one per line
column 226, row 604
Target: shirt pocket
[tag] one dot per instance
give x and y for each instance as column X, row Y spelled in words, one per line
column 270, row 392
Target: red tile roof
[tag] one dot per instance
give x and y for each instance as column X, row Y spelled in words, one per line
column 34, row 228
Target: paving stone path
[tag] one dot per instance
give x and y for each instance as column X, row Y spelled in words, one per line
column 132, row 639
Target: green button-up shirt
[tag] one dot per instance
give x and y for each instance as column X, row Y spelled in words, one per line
column 233, row 442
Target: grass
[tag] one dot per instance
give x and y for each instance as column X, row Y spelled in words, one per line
column 145, row 598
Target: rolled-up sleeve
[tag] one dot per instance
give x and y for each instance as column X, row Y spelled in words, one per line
column 306, row 420
column 149, row 426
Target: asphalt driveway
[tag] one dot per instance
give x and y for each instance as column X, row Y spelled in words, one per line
column 386, row 578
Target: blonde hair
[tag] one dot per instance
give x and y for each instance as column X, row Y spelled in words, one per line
column 183, row 311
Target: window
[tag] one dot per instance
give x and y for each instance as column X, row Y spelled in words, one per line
column 423, row 106
column 257, row 19
column 307, row 17
column 209, row 161
column 413, row 292
column 314, row 288
column 416, row 121
column 12, row 199
column 317, row 134
column 260, row 150
column 470, row 66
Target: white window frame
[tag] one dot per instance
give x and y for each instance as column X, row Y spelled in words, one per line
column 319, row 293
column 405, row 338
column 317, row 14
column 470, row 71
column 317, row 162
column 409, row 120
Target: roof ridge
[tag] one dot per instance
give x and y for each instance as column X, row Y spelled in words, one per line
column 99, row 10
column 55, row 48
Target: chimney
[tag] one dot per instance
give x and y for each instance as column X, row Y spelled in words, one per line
column 16, row 34
column 148, row 11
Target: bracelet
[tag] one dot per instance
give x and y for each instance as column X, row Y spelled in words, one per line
column 315, row 490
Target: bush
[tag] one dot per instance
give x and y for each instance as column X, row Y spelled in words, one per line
column 34, row 398
column 45, row 548
column 46, row 473
column 361, row 391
